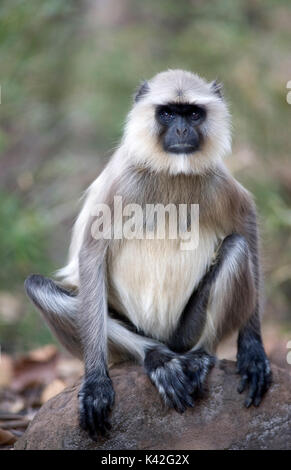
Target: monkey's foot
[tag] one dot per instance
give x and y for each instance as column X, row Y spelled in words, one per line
column 254, row 368
column 196, row 365
column 166, row 371
column 96, row 400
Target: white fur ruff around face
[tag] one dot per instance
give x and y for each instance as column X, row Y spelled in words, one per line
column 140, row 142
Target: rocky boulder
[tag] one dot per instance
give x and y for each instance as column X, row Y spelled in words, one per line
column 140, row 421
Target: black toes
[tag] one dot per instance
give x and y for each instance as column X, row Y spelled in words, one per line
column 96, row 399
column 254, row 368
column 196, row 366
column 243, row 383
column 177, row 377
column 173, row 386
column 165, row 371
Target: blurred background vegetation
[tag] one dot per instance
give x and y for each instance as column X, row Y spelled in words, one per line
column 68, row 72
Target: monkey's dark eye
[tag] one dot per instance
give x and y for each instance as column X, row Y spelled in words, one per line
column 195, row 115
column 166, row 115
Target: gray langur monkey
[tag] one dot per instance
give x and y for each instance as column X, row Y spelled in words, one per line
column 146, row 298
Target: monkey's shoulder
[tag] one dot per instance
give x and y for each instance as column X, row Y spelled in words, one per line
column 223, row 201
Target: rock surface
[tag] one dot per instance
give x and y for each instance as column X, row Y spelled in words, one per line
column 140, row 421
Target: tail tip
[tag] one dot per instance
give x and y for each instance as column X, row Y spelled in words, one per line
column 33, row 281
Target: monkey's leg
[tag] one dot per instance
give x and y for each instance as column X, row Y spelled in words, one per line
column 79, row 323
column 195, row 359
column 60, row 309
column 233, row 305
column 224, row 301
column 167, row 370
column 194, row 362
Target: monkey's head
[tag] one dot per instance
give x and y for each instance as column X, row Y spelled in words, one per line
column 179, row 123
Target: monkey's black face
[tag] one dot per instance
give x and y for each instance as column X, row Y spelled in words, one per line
column 180, row 127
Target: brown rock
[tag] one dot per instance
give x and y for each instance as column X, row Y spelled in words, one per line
column 140, row 421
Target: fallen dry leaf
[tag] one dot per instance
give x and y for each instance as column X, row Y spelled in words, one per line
column 6, row 437
column 6, row 370
column 43, row 354
column 38, row 367
column 69, row 369
column 55, row 387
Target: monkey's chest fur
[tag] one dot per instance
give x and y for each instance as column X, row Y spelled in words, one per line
column 150, row 281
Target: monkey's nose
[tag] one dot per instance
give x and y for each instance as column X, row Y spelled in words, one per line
column 181, row 132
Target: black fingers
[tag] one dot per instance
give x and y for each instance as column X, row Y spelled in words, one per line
column 254, row 368
column 96, row 400
column 177, row 377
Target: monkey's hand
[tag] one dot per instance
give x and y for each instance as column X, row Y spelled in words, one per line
column 196, row 365
column 96, row 399
column 254, row 368
column 166, row 371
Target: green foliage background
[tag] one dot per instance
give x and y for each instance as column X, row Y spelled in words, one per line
column 68, row 72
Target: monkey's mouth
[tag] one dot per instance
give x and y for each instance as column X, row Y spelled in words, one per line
column 183, row 148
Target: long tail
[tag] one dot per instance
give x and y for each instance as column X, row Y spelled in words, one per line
column 59, row 308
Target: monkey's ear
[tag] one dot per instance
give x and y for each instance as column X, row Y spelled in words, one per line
column 142, row 90
column 217, row 88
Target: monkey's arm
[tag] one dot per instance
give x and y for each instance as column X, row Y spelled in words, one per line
column 96, row 397
column 252, row 362
column 191, row 337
